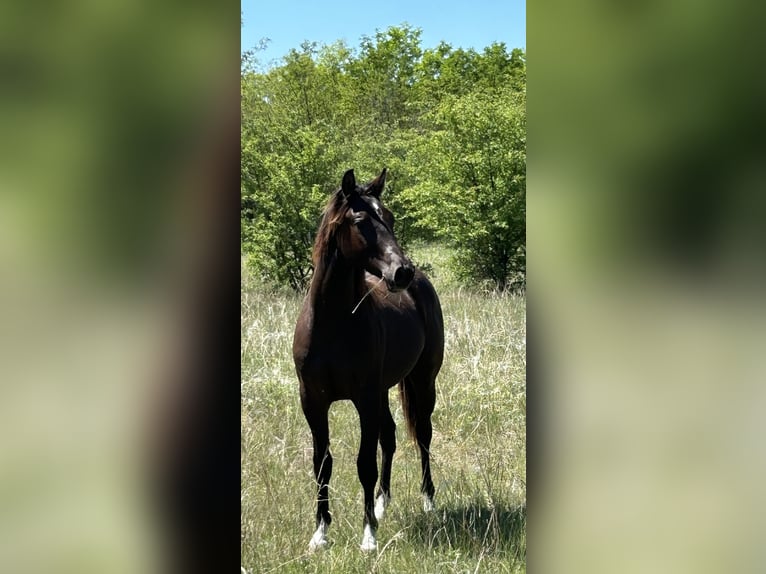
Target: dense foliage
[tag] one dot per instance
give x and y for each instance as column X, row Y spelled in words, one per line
column 450, row 124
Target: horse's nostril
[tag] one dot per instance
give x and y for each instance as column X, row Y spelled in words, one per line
column 403, row 276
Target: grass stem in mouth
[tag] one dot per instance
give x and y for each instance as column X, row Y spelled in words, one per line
column 365, row 295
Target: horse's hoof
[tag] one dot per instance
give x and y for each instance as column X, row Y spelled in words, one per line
column 317, row 545
column 369, row 544
column 380, row 505
column 319, row 540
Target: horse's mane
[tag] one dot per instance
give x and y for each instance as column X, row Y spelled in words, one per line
column 333, row 215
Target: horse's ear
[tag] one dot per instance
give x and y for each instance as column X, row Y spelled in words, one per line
column 375, row 188
column 348, row 186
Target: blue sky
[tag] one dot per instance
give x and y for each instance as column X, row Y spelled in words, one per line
column 460, row 23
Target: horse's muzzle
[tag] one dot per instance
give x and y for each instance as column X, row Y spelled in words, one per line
column 402, row 278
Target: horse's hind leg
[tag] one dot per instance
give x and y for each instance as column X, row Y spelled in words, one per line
column 422, row 389
column 387, row 438
column 424, row 442
column 316, row 415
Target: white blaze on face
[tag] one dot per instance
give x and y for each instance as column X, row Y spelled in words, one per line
column 376, row 206
column 368, row 539
column 319, row 540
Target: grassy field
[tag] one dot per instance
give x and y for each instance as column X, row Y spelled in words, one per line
column 478, row 448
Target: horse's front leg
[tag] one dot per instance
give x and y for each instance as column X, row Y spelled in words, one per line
column 316, row 416
column 387, row 448
column 367, row 466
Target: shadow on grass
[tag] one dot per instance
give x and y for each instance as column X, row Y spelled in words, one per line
column 474, row 529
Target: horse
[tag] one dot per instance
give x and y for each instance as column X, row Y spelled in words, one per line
column 370, row 320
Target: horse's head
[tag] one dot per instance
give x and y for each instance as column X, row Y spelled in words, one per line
column 366, row 234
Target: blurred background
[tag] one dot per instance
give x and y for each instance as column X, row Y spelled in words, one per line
column 118, row 163
column 647, row 253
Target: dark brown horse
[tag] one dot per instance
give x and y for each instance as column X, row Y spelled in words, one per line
column 370, row 320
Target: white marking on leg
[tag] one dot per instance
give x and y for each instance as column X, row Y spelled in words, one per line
column 319, row 540
column 428, row 503
column 369, row 543
column 380, row 505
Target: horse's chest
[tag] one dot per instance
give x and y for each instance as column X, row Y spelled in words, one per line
column 336, row 352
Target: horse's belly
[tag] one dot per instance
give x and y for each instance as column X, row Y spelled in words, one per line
column 404, row 345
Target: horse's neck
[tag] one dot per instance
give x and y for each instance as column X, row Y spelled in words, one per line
column 335, row 288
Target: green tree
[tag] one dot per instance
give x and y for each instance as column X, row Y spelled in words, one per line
column 472, row 191
column 288, row 159
column 384, row 73
column 448, row 123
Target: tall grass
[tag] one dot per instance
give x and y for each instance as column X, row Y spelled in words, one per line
column 478, row 448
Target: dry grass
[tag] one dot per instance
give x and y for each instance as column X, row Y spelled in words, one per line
column 479, row 463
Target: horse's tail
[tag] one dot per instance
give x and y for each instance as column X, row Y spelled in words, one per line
column 409, row 406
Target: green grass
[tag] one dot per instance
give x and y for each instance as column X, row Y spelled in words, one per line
column 478, row 448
